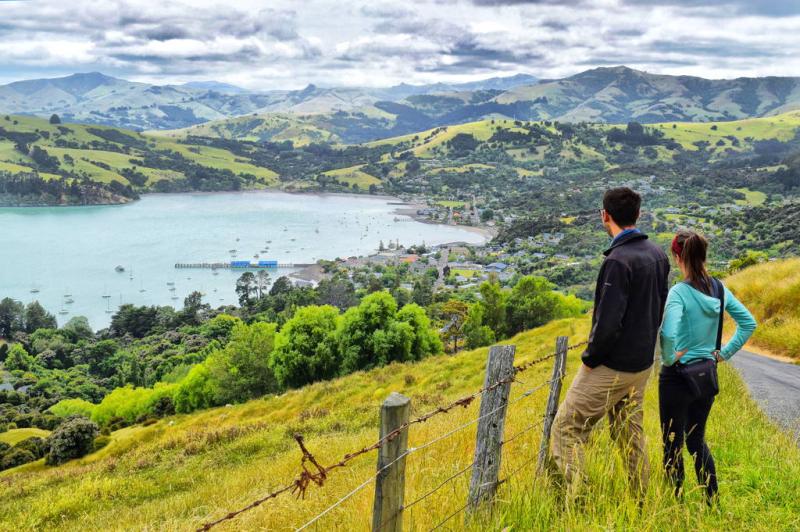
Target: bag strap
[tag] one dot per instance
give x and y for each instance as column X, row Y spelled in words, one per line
column 720, row 294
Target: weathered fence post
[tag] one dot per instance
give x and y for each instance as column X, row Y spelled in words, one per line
column 486, row 468
column 387, row 510
column 559, row 370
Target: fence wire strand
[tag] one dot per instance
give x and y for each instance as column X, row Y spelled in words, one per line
column 319, row 474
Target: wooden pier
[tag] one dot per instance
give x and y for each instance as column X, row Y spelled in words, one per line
column 239, row 266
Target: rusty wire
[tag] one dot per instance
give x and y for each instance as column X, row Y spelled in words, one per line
column 320, row 473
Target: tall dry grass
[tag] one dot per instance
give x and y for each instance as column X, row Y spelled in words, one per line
column 772, row 293
column 184, row 470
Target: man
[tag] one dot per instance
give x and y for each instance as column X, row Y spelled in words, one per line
column 628, row 306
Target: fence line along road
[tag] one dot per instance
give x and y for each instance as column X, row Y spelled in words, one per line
column 391, row 468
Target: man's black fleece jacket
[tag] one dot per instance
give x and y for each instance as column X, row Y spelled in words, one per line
column 628, row 305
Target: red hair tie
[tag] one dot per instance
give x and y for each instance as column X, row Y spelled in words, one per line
column 677, row 247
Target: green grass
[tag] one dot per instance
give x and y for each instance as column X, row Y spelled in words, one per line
column 354, row 175
column 15, row 436
column 187, row 469
column 781, row 127
column 469, row 274
column 752, row 197
column 275, row 127
column 453, row 204
column 772, row 293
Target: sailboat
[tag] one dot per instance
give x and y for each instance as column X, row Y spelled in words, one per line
column 34, row 290
column 108, row 305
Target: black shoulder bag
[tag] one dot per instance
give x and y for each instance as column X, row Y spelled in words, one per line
column 701, row 377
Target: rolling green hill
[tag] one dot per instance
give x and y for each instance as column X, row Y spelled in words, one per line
column 185, row 470
column 602, row 95
column 116, row 161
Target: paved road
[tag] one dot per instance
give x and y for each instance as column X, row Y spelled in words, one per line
column 775, row 386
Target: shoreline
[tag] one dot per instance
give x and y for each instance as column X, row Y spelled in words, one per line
column 410, row 210
column 401, row 207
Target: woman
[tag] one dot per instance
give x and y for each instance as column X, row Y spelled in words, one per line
column 690, row 334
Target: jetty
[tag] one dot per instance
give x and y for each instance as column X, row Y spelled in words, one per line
column 242, row 265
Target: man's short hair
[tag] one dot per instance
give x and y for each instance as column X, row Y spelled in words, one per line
column 622, row 204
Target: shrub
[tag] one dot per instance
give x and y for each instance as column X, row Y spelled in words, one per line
column 195, row 391
column 16, row 457
column 305, row 349
column 129, row 403
column 71, row 407
column 241, row 370
column 37, row 446
column 73, row 439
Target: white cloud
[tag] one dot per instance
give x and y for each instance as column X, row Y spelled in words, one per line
column 378, row 42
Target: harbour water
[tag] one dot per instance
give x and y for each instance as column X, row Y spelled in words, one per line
column 60, row 254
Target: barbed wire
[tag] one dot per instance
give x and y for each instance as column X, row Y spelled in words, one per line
column 320, row 473
column 432, row 442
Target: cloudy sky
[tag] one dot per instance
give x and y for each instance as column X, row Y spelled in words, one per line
column 287, row 44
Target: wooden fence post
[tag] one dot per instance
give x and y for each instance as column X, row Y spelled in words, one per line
column 486, row 467
column 387, row 510
column 559, row 370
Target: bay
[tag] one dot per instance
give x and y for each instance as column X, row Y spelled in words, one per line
column 61, row 254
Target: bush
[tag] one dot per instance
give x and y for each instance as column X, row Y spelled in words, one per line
column 305, row 349
column 241, row 370
column 71, row 407
column 195, row 391
column 16, row 457
column 129, row 403
column 37, row 446
column 73, row 439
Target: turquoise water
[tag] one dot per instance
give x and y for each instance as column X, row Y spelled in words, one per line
column 73, row 251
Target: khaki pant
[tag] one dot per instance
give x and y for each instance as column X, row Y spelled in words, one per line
column 593, row 394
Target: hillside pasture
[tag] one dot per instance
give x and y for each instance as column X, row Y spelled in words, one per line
column 188, row 469
column 354, row 176
column 772, row 293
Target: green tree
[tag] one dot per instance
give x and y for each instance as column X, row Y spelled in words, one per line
column 72, row 439
column 531, row 303
column 454, row 313
column 426, row 341
column 476, row 334
column 36, row 317
column 193, row 308
column 305, row 348
column 370, row 335
column 241, row 370
column 55, row 119
column 12, row 317
column 18, row 359
column 197, row 390
column 337, row 291
column 245, row 288
column 78, row 328
column 262, row 283
column 493, row 304
column 422, row 293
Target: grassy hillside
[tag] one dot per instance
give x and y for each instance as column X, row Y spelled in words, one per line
column 184, row 470
column 15, row 436
column 102, row 153
column 274, row 127
column 772, row 293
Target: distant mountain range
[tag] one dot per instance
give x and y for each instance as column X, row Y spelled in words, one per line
column 99, row 99
column 353, row 114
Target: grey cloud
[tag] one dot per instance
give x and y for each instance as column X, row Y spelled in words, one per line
column 769, row 8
